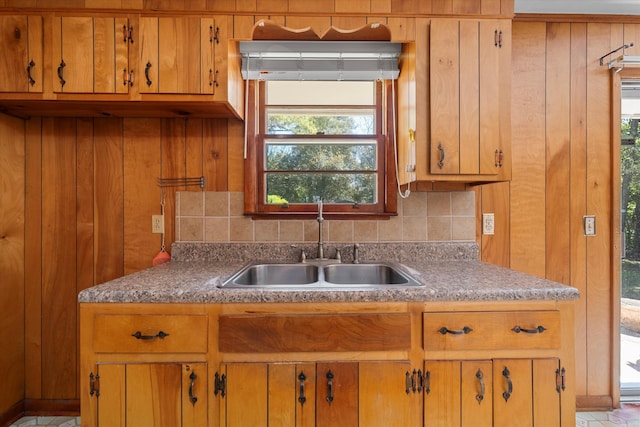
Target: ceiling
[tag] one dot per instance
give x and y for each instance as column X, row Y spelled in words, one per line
column 601, row 7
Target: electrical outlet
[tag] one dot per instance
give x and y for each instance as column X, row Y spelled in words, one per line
column 157, row 224
column 589, row 225
column 488, row 223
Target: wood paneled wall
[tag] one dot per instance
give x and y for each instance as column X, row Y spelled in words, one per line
column 90, row 192
column 563, row 165
column 12, row 262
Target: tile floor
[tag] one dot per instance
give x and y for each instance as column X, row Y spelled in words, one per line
column 628, row 416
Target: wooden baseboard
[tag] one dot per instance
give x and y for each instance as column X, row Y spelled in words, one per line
column 12, row 414
column 40, row 407
column 594, row 403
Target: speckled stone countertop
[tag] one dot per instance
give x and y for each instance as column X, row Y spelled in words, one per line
column 449, row 272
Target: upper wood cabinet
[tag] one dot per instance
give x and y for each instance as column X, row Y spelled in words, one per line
column 469, row 68
column 91, row 54
column 21, row 59
column 176, row 55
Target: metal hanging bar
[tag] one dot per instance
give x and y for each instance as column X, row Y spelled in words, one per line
column 179, row 182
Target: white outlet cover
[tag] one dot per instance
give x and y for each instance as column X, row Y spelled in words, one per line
column 589, row 222
column 488, row 223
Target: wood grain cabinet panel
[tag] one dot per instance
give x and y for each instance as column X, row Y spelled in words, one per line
column 21, row 44
column 467, row 77
column 492, row 330
column 91, row 54
column 150, row 334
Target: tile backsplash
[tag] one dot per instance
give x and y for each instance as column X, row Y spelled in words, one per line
column 424, row 216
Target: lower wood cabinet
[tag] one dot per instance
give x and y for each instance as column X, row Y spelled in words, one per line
column 395, row 364
column 500, row 392
column 315, row 394
column 148, row 394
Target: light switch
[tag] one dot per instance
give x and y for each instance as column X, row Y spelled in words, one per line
column 589, row 225
column 488, row 223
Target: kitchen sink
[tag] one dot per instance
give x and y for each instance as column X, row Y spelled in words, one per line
column 366, row 274
column 275, row 274
column 314, row 274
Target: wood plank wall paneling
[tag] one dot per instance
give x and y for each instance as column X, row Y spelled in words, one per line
column 598, row 261
column 562, row 170
column 59, row 367
column 578, row 186
column 12, row 262
column 527, row 249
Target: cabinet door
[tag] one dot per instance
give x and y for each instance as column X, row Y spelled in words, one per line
column 177, row 55
column 275, row 394
column 337, row 394
column 383, row 399
column 21, row 59
column 151, row 394
column 467, row 81
column 476, row 394
column 442, row 393
column 91, row 55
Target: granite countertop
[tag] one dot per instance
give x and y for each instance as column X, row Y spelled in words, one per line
column 194, row 279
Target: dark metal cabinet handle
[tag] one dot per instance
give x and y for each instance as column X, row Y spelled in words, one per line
column 302, row 398
column 407, row 382
column 29, row 67
column 192, row 384
column 94, row 384
column 507, row 393
column 427, row 382
column 61, row 73
column 146, row 73
column 465, row 330
column 329, row 387
column 480, row 395
column 540, row 329
column 441, row 151
column 138, row 335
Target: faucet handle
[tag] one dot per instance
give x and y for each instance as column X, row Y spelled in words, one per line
column 356, row 248
column 303, row 256
column 338, row 256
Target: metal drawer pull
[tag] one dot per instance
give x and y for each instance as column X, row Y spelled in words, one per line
column 61, row 73
column 146, row 73
column 507, row 394
column 480, row 377
column 302, row 398
column 138, row 335
column 192, row 384
column 441, row 161
column 540, row 329
column 29, row 67
column 444, row 330
column 329, row 387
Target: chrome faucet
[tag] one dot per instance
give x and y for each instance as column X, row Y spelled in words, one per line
column 320, row 221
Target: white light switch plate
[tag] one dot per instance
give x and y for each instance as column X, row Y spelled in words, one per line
column 589, row 225
column 488, row 223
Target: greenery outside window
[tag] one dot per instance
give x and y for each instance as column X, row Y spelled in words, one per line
column 320, row 140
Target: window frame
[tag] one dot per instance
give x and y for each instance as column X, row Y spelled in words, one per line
column 255, row 199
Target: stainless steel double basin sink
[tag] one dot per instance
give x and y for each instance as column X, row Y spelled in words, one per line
column 320, row 274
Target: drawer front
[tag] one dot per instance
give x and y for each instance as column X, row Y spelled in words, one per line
column 150, row 333
column 321, row 332
column 491, row 330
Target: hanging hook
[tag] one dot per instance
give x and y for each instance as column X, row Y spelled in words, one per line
column 624, row 46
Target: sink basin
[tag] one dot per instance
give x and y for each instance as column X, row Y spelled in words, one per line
column 275, row 275
column 316, row 274
column 367, row 274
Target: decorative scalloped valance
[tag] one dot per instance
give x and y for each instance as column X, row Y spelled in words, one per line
column 280, row 53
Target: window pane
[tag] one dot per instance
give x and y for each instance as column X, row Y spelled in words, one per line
column 320, row 155
column 320, row 93
column 291, row 187
column 281, row 121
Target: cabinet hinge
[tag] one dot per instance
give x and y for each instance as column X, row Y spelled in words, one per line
column 220, row 385
column 94, row 384
column 561, row 380
column 127, row 32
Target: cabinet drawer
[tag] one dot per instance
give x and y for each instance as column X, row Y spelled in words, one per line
column 492, row 330
column 319, row 332
column 150, row 333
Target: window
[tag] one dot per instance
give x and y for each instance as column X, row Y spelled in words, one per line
column 320, row 140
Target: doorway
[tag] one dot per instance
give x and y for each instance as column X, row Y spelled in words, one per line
column 630, row 241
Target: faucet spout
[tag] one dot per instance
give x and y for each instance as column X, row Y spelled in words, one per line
column 320, row 241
